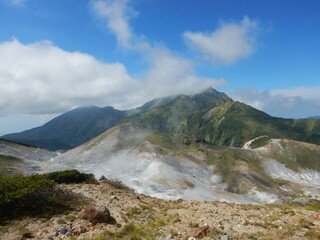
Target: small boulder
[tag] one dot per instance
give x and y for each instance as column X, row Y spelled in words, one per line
column 200, row 231
column 63, row 230
column 96, row 214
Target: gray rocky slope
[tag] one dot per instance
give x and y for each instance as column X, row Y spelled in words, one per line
column 163, row 166
column 160, row 166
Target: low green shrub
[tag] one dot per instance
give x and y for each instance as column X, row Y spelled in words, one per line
column 34, row 195
column 25, row 195
column 70, row 176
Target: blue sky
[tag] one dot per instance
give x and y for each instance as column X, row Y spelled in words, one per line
column 58, row 55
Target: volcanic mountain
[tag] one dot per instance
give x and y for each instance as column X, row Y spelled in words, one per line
column 204, row 146
column 209, row 116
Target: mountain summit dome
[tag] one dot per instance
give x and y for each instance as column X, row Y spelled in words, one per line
column 210, row 90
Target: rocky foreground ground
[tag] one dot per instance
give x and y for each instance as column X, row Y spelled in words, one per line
column 135, row 216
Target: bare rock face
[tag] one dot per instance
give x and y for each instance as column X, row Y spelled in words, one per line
column 96, row 214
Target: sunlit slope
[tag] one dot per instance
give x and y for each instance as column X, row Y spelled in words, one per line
column 182, row 115
column 293, row 154
column 228, row 124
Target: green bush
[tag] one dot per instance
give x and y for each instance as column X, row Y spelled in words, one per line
column 70, row 176
column 260, row 142
column 25, row 195
column 38, row 195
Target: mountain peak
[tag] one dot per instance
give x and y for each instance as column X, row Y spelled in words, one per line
column 210, row 90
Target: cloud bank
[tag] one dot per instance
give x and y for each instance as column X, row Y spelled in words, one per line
column 229, row 43
column 41, row 78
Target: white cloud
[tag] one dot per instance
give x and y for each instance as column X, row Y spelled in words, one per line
column 229, row 43
column 174, row 72
column 116, row 14
column 282, row 102
column 168, row 73
column 41, row 78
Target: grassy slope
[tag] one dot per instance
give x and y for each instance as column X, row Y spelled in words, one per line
column 182, row 115
column 149, row 105
column 235, row 123
column 229, row 124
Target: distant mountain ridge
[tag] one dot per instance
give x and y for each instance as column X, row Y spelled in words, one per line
column 313, row 117
column 70, row 129
column 210, row 116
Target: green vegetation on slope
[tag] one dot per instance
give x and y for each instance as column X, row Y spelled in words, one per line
column 70, row 176
column 295, row 155
column 260, row 142
column 232, row 124
column 241, row 169
column 37, row 194
column 22, row 196
column 228, row 124
column 165, row 140
column 183, row 115
column 240, row 123
column 7, row 167
column 149, row 105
